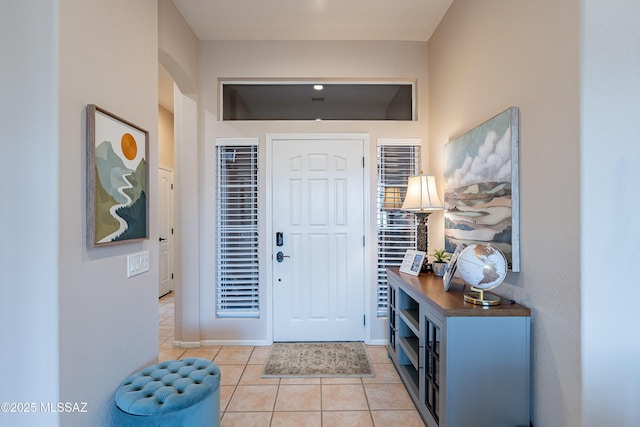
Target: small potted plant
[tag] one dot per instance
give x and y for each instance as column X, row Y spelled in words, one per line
column 441, row 260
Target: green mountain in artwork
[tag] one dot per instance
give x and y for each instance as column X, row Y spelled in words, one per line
column 136, row 218
column 135, row 214
column 104, row 223
column 111, row 171
column 138, row 180
column 121, row 187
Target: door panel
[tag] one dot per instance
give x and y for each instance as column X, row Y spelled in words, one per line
column 166, row 231
column 318, row 205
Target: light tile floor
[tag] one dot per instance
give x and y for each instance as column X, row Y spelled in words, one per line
column 247, row 400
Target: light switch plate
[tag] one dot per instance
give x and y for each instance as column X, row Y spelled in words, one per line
column 137, row 263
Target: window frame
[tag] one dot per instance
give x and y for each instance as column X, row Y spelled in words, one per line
column 391, row 256
column 245, row 271
column 222, row 82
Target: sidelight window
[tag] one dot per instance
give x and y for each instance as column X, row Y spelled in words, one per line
column 237, row 263
column 396, row 229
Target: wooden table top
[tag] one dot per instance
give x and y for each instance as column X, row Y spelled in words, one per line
column 452, row 303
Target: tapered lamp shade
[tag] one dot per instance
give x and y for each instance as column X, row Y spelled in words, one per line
column 422, row 195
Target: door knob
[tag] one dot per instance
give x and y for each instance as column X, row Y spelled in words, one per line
column 162, row 239
column 280, row 256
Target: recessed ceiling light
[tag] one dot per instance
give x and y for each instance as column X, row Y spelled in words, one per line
column 318, row 87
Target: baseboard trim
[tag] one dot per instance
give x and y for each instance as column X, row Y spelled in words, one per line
column 187, row 344
column 256, row 343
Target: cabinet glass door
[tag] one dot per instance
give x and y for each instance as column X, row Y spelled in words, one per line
column 391, row 325
column 432, row 367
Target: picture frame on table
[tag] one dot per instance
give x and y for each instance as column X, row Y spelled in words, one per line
column 412, row 262
column 451, row 268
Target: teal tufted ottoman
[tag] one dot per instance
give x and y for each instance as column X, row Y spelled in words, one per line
column 172, row 393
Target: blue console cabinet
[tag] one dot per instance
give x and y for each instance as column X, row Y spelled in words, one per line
column 464, row 365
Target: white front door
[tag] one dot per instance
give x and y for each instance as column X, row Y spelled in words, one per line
column 165, row 201
column 318, row 207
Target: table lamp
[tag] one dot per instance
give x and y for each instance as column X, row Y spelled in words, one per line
column 422, row 199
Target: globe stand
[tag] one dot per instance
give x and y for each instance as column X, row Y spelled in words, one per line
column 478, row 297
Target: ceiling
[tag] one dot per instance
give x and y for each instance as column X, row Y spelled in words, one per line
column 380, row 20
column 407, row 20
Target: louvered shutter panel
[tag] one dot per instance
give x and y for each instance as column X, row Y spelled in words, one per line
column 237, row 266
column 396, row 229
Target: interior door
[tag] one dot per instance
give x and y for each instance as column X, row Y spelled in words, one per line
column 318, row 251
column 166, row 230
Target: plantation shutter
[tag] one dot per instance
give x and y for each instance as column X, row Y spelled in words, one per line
column 237, row 266
column 396, row 229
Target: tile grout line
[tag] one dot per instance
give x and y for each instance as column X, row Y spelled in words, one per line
column 275, row 401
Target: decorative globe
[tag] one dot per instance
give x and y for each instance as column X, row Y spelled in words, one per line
column 482, row 266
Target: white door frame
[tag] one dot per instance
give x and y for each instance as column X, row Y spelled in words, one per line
column 269, row 240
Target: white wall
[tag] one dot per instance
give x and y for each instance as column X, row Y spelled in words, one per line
column 187, row 223
column 483, row 58
column 610, row 102
column 344, row 60
column 178, row 54
column 28, row 218
column 108, row 55
column 165, row 138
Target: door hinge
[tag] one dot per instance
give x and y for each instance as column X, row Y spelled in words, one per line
column 172, row 186
column 362, row 162
column 172, row 231
column 171, row 276
column 364, row 320
column 363, row 245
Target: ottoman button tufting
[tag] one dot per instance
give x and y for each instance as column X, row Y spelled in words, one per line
column 171, row 393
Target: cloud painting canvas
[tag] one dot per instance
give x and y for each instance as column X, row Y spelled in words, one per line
column 481, row 187
column 117, row 179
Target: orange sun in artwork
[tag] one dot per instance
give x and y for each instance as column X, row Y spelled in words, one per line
column 129, row 146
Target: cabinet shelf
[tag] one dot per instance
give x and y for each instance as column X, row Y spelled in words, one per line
column 412, row 317
column 411, row 378
column 410, row 346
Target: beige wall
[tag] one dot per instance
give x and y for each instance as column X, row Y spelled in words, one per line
column 483, row 58
column 177, row 47
column 74, row 309
column 165, row 138
column 278, row 60
column 108, row 323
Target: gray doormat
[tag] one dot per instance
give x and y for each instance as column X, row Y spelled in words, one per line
column 325, row 359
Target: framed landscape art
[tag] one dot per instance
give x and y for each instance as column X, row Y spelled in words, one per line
column 117, row 179
column 481, row 178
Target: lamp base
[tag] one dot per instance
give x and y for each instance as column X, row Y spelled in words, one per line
column 422, row 235
column 478, row 297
